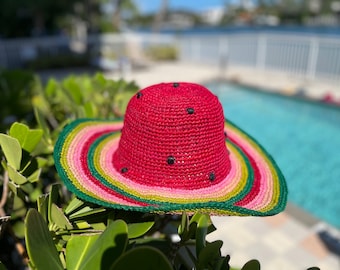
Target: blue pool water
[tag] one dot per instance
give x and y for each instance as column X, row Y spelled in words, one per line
column 303, row 137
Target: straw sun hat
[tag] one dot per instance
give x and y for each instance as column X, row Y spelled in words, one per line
column 174, row 152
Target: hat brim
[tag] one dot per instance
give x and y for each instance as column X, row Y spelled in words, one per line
column 83, row 159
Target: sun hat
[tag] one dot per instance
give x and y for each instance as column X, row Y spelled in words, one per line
column 173, row 152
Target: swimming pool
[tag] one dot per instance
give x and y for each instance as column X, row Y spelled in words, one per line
column 303, row 137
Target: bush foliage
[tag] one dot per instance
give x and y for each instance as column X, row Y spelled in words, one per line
column 162, row 52
column 43, row 226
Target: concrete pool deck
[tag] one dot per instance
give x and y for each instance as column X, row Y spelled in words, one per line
column 287, row 241
column 269, row 80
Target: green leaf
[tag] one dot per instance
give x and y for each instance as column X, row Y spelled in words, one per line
column 34, row 195
column 196, row 217
column 73, row 90
column 39, row 116
column 99, row 77
column 33, row 138
column 81, row 224
column 121, row 100
column 77, row 248
column 4, row 164
column 42, row 162
column 52, row 199
column 86, row 211
column 190, row 254
column 209, row 254
column 73, row 205
column 40, row 247
column 28, row 138
column 80, row 112
column 19, row 131
column 193, row 225
column 59, row 219
column 13, row 187
column 108, row 247
column 51, row 87
column 12, row 150
column 15, row 176
column 201, row 233
column 19, row 229
column 90, row 110
column 99, row 226
column 40, row 103
column 142, row 258
column 139, row 229
column 2, row 266
column 223, row 263
column 19, row 210
column 42, row 203
column 252, row 265
column 27, row 187
column 183, row 228
column 34, row 177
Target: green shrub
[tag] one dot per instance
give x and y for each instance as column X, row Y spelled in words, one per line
column 162, row 52
column 27, row 170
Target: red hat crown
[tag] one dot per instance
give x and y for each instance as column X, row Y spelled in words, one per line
column 173, row 136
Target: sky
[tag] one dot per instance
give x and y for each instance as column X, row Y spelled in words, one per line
column 147, row 6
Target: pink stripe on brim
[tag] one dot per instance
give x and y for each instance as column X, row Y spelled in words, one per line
column 265, row 193
column 77, row 162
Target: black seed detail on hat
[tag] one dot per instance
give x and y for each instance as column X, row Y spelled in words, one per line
column 124, row 170
column 190, row 110
column 225, row 134
column 175, row 84
column 139, row 95
column 170, row 160
column 212, row 176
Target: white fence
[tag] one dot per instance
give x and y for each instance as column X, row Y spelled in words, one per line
column 311, row 57
column 15, row 52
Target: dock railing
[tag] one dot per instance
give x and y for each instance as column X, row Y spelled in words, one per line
column 306, row 56
column 309, row 57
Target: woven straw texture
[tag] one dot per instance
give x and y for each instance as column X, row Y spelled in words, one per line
column 174, row 152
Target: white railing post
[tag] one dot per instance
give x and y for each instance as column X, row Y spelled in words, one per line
column 312, row 58
column 223, row 47
column 223, row 55
column 196, row 49
column 261, row 52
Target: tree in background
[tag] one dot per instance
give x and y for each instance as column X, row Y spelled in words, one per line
column 160, row 16
column 20, row 18
column 123, row 9
column 296, row 11
column 23, row 18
